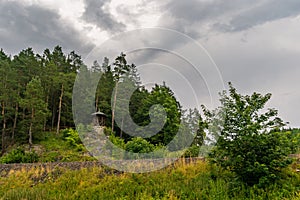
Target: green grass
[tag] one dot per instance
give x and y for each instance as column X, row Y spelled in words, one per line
column 53, row 148
column 56, row 149
column 182, row 181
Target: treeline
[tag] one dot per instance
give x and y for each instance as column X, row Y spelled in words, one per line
column 36, row 96
column 35, row 93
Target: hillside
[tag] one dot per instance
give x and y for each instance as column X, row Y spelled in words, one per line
column 182, row 181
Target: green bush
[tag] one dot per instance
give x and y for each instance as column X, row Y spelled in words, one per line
column 293, row 140
column 19, row 156
column 119, row 145
column 138, row 145
column 119, row 142
column 192, row 151
column 73, row 139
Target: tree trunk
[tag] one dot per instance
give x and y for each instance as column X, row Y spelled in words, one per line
column 113, row 109
column 3, row 128
column 59, row 108
column 45, row 120
column 97, row 101
column 15, row 123
column 30, row 129
column 15, row 118
column 54, row 110
column 53, row 117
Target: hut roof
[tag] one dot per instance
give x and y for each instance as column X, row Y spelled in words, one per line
column 99, row 113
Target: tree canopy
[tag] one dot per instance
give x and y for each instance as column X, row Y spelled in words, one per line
column 36, row 96
column 247, row 139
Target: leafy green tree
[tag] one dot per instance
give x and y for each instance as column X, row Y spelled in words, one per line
column 120, row 69
column 196, row 126
column 66, row 81
column 163, row 95
column 7, row 75
column 58, row 79
column 293, row 139
column 193, row 130
column 128, row 76
column 26, row 66
column 245, row 144
column 105, row 90
column 35, row 106
column 136, row 106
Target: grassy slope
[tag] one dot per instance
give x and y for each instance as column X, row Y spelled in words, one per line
column 184, row 181
column 53, row 148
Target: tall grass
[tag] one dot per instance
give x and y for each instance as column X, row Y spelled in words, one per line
column 181, row 181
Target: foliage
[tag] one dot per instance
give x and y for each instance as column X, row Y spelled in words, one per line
column 35, row 106
column 119, row 142
column 30, row 87
column 246, row 145
column 192, row 151
column 164, row 96
column 56, row 149
column 73, row 139
column 180, row 181
column 36, row 95
column 293, row 139
column 139, row 145
column 19, row 156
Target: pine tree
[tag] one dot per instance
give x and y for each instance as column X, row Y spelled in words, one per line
column 35, row 106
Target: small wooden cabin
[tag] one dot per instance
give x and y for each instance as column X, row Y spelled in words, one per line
column 99, row 118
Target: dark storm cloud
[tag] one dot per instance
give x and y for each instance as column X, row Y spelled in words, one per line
column 94, row 13
column 268, row 11
column 196, row 17
column 263, row 59
column 195, row 10
column 33, row 26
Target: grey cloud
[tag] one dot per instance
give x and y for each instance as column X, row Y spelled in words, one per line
column 263, row 64
column 33, row 26
column 94, row 13
column 195, row 10
column 268, row 11
column 268, row 62
column 194, row 16
column 198, row 18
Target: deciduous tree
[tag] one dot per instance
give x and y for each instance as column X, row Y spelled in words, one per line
column 246, row 145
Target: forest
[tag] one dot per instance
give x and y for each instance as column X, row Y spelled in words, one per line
column 251, row 155
column 36, row 96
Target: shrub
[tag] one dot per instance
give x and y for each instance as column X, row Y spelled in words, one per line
column 192, row 151
column 19, row 156
column 72, row 137
column 138, row 145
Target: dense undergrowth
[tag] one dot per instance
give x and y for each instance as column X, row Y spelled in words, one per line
column 48, row 147
column 182, row 181
column 67, row 147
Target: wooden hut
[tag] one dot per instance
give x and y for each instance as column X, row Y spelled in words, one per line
column 99, row 118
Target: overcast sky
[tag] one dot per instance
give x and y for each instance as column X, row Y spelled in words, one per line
column 254, row 44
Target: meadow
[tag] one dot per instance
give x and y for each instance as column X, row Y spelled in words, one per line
column 196, row 180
